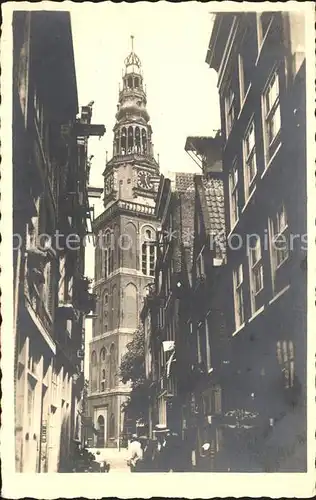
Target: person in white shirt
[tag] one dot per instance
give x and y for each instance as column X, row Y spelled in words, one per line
column 136, row 453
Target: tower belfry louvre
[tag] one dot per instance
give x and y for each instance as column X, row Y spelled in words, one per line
column 125, row 252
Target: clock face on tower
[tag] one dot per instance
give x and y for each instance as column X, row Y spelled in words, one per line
column 144, row 180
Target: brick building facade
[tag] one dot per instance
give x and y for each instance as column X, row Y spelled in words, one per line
column 51, row 296
column 261, row 79
column 167, row 305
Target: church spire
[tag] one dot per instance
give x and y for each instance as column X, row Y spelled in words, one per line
column 132, row 61
column 132, row 131
column 131, row 172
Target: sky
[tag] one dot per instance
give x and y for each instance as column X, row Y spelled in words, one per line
column 182, row 98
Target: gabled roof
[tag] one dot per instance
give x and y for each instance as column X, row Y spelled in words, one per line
column 211, row 192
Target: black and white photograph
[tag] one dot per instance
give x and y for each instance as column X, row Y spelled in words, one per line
column 158, row 230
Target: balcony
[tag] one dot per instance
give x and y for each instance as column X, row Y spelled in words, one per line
column 128, row 206
column 138, row 92
column 136, row 207
column 135, row 157
column 66, row 310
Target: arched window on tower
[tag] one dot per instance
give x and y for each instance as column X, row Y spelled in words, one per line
column 105, row 310
column 103, row 381
column 116, row 143
column 112, row 366
column 93, row 371
column 102, row 354
column 123, row 141
column 144, row 141
column 137, row 139
column 110, row 251
column 108, row 265
column 148, row 253
column 114, row 308
column 130, row 82
column 130, row 140
column 136, row 83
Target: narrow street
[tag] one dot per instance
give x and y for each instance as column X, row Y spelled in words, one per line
column 116, row 458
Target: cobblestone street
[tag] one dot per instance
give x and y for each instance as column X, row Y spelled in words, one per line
column 116, row 458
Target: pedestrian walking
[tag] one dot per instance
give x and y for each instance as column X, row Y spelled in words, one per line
column 205, row 458
column 175, row 452
column 161, row 451
column 135, row 453
column 146, row 464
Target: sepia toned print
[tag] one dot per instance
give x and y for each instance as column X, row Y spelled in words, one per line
column 160, row 302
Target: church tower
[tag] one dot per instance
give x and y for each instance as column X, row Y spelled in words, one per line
column 125, row 252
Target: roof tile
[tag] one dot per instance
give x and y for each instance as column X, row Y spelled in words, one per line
column 214, row 195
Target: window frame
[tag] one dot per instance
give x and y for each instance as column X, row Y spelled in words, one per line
column 200, row 264
column 149, row 255
column 239, row 296
column 230, row 111
column 263, row 36
column 208, row 345
column 276, row 230
column 269, row 115
column 254, row 266
column 249, row 157
column 233, row 193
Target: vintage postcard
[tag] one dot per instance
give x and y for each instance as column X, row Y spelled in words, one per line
column 158, row 249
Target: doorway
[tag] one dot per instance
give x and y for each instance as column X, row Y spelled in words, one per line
column 100, row 429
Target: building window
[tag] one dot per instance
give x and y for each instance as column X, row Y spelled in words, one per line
column 238, row 296
column 265, row 21
column 93, row 358
column 272, row 115
column 286, row 358
column 31, row 400
column 279, row 238
column 103, row 354
column 148, row 254
column 200, row 265
column 247, row 59
column 250, row 162
column 256, row 271
column 161, row 317
column 103, row 385
column 233, row 193
column 230, row 104
column 108, row 255
column 112, row 366
column 199, row 347
column 93, row 371
column 106, row 263
column 208, row 346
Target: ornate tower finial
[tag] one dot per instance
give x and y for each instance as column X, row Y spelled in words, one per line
column 132, row 61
